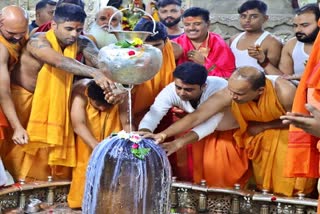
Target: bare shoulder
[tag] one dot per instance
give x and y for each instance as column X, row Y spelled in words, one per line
column 272, row 40
column 38, row 40
column 80, row 86
column 290, row 44
column 85, row 42
column 221, row 97
column 38, row 35
column 4, row 53
column 285, row 91
column 177, row 50
column 34, row 30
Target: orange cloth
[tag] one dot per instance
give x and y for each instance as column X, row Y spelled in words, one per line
column 219, row 161
column 49, row 124
column 14, row 52
column 267, row 149
column 14, row 49
column 101, row 125
column 145, row 93
column 11, row 153
column 303, row 155
column 16, row 160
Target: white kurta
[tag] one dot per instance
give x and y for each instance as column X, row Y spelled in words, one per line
column 168, row 98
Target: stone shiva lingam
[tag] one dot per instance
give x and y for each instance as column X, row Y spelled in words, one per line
column 126, row 173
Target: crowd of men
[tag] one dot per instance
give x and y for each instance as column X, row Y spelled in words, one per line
column 223, row 112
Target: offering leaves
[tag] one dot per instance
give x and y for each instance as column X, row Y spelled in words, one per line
column 137, row 42
column 136, row 150
column 123, row 44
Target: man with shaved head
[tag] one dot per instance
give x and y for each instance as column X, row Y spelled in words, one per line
column 13, row 30
column 257, row 102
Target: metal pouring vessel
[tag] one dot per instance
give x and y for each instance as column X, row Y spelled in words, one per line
column 132, row 65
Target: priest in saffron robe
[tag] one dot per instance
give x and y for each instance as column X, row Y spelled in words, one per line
column 93, row 119
column 46, row 70
column 13, row 19
column 258, row 102
column 303, row 147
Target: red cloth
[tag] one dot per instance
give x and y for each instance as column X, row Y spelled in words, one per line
column 45, row 27
column 220, row 60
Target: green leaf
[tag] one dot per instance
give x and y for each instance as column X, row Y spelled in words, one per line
column 123, row 44
column 140, row 153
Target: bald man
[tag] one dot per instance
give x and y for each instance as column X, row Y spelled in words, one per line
column 13, row 30
column 257, row 102
column 99, row 28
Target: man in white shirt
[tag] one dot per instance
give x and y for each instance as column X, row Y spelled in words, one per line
column 255, row 46
column 192, row 87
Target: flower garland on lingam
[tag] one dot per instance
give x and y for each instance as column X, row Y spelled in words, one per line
column 136, row 150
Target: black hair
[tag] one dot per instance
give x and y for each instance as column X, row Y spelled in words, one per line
column 43, row 3
column 95, row 92
column 75, row 2
column 69, row 13
column 197, row 11
column 114, row 3
column 191, row 73
column 253, row 4
column 145, row 24
column 313, row 8
column 163, row 3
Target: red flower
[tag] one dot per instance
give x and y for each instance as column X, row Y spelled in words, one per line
column 273, row 198
column 131, row 53
column 135, row 146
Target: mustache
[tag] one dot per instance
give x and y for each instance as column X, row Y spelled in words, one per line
column 169, row 17
column 300, row 34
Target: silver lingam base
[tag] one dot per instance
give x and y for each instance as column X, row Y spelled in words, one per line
column 185, row 198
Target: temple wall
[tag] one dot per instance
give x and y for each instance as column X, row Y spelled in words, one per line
column 224, row 17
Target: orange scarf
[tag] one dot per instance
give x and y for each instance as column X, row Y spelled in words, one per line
column 253, row 111
column 14, row 49
column 303, row 156
column 49, row 124
column 267, row 149
column 151, row 88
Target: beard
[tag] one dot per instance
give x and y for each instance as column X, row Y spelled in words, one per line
column 301, row 37
column 102, row 36
column 170, row 24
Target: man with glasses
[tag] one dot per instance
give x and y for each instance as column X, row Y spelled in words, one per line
column 247, row 46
